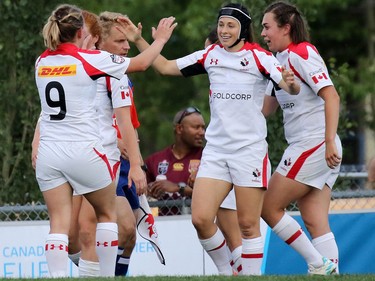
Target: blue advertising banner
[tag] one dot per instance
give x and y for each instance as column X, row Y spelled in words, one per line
column 354, row 233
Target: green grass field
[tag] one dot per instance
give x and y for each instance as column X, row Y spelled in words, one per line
column 343, row 277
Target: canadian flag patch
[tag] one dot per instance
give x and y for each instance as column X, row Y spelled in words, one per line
column 319, row 77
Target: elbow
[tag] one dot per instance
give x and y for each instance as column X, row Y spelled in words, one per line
column 143, row 66
column 338, row 99
column 137, row 65
column 161, row 71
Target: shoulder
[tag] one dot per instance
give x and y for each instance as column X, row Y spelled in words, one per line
column 90, row 52
column 159, row 154
column 255, row 47
column 304, row 50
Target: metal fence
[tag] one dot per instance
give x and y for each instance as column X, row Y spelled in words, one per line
column 349, row 193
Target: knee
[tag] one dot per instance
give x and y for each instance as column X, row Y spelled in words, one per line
column 201, row 222
column 317, row 228
column 249, row 228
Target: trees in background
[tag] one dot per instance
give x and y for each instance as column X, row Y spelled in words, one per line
column 338, row 29
column 20, row 44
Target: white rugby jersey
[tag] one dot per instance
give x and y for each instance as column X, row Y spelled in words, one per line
column 238, row 82
column 66, row 81
column 304, row 113
column 111, row 93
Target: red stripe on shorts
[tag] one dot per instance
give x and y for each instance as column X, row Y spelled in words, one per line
column 300, row 160
column 115, row 168
column 265, row 171
column 105, row 159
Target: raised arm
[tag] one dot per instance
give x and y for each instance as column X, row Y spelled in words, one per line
column 160, row 64
column 162, row 34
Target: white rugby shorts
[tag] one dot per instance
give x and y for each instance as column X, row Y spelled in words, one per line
column 83, row 164
column 230, row 201
column 305, row 162
column 247, row 167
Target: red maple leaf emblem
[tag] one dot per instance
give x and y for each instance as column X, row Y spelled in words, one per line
column 151, row 221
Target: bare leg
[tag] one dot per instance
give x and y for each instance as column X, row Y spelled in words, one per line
column 227, row 221
column 104, row 203
column 59, row 205
column 127, row 234
column 207, row 196
column 249, row 207
column 74, row 244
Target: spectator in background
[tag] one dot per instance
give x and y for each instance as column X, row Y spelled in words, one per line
column 371, row 174
column 179, row 161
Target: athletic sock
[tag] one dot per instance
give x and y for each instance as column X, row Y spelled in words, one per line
column 106, row 247
column 75, row 257
column 56, row 250
column 88, row 268
column 122, row 263
column 216, row 248
column 122, row 266
column 236, row 260
column 291, row 232
column 252, row 256
column 326, row 245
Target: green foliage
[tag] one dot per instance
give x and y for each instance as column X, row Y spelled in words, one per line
column 20, row 43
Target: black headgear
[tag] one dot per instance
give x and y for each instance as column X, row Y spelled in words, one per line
column 242, row 17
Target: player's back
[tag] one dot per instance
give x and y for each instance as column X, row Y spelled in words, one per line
column 67, row 95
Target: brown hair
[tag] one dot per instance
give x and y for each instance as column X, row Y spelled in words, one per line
column 62, row 25
column 286, row 13
column 93, row 25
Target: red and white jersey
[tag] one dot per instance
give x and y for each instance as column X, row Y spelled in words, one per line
column 111, row 93
column 304, row 113
column 238, row 82
column 66, row 81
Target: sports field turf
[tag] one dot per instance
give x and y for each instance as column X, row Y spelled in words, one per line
column 343, row 277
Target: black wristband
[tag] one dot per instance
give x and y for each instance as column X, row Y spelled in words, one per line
column 144, row 167
column 181, row 186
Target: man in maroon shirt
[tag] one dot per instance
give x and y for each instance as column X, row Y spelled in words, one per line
column 178, row 162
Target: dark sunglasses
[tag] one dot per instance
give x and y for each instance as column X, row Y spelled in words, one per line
column 189, row 110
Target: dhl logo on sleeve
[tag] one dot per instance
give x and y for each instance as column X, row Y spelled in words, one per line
column 61, row 70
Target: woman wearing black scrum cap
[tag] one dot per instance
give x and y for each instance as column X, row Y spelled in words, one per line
column 236, row 150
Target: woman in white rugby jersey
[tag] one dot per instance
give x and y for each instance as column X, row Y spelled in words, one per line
column 236, row 150
column 76, row 246
column 311, row 163
column 70, row 154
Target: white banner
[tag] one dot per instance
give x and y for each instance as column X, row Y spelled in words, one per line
column 22, row 250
